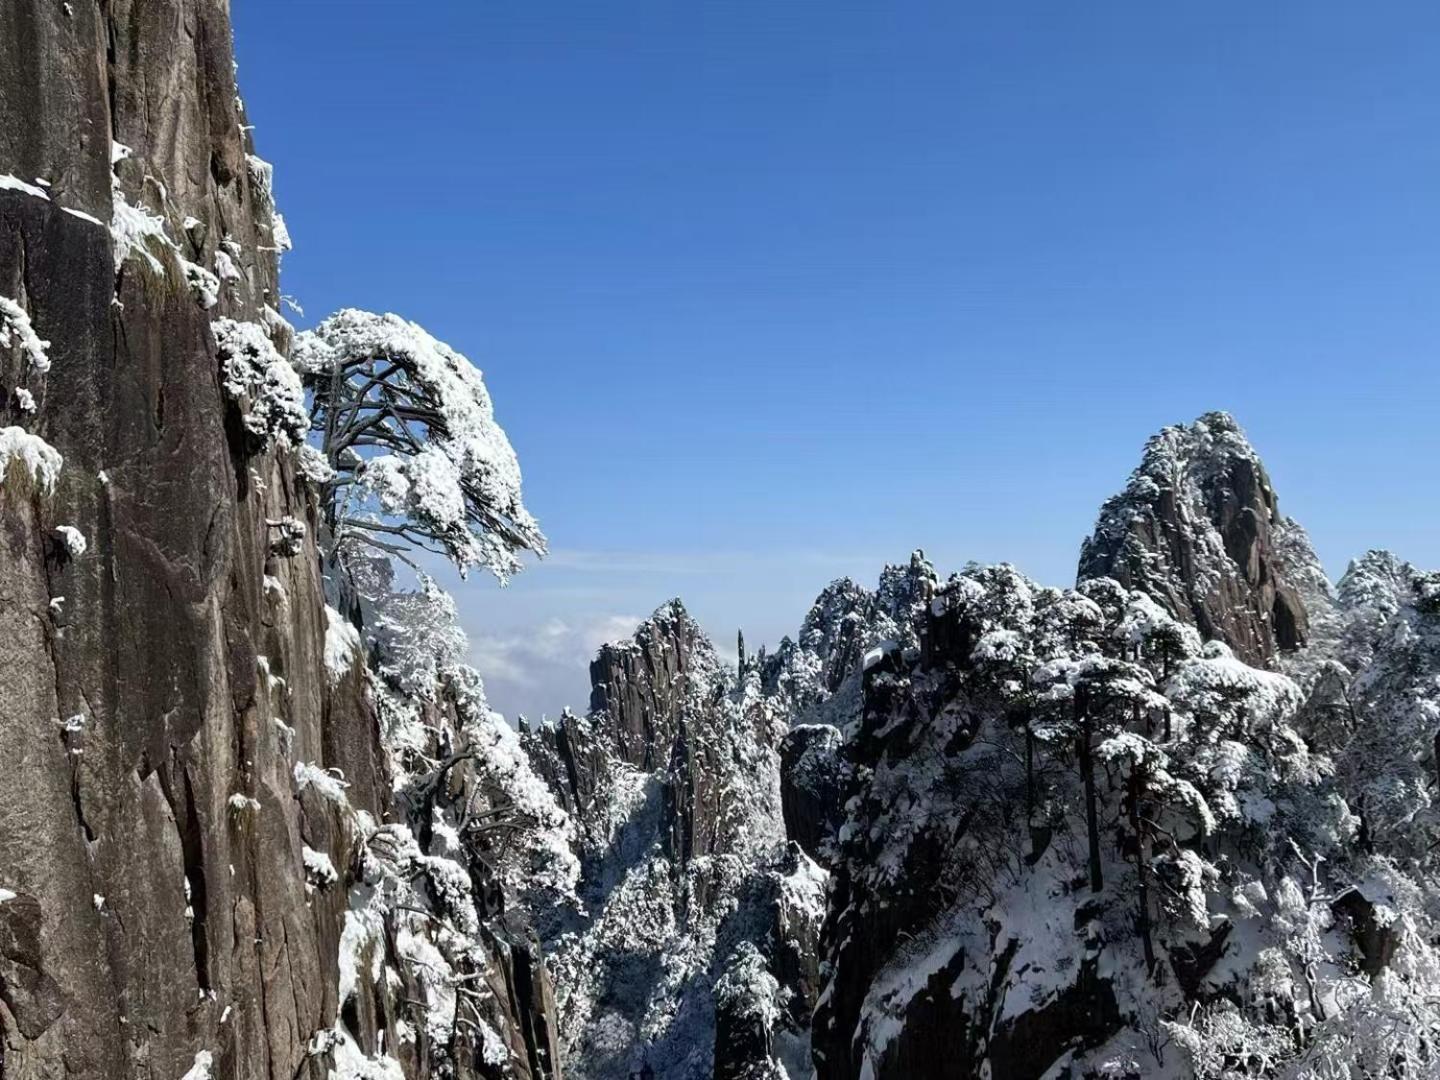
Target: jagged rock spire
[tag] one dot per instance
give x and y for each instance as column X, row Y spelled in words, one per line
column 1198, row 527
column 639, row 684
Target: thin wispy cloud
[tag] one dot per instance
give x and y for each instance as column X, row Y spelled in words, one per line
column 702, row 562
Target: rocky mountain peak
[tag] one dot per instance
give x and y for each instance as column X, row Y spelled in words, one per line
column 639, row 684
column 1198, row 527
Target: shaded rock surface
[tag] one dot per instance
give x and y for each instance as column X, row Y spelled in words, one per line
column 812, row 787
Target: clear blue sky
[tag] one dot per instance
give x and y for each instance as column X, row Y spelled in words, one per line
column 771, row 292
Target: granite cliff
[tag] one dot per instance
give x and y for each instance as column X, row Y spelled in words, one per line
column 207, row 861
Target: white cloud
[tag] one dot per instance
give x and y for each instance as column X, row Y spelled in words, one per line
column 539, row 668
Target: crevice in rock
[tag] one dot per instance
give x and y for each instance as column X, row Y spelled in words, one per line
column 192, row 853
column 78, row 802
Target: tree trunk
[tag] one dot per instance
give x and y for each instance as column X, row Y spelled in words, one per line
column 1087, row 776
column 1142, row 867
column 1029, row 774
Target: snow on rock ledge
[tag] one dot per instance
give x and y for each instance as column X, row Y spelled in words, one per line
column 28, row 462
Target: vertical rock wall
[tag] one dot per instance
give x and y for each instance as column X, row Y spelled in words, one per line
column 158, row 689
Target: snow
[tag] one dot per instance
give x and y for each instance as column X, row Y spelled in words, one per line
column 203, row 1067
column 83, row 216
column 280, row 233
column 875, row 655
column 342, row 644
column 319, row 870
column 14, row 183
column 324, row 783
column 72, row 539
column 28, row 460
column 204, row 284
column 351, row 1063
column 25, row 399
column 257, row 378
column 312, row 465
column 276, row 325
column 225, row 267
column 133, row 229
column 998, row 647
column 1213, row 684
column 17, row 332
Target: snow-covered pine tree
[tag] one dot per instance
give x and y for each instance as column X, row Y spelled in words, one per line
column 413, row 455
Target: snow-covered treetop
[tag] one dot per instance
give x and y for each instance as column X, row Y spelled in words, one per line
column 1217, row 687
column 1148, row 626
column 1377, row 579
column 747, row 990
column 408, row 426
column 990, row 597
column 841, row 600
column 905, row 590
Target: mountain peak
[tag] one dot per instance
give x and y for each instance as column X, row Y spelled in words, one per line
column 1198, row 528
column 641, row 683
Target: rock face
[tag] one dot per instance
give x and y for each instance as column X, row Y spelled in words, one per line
column 173, row 863
column 1199, row 529
column 640, row 685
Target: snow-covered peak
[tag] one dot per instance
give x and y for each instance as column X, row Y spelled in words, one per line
column 1198, row 528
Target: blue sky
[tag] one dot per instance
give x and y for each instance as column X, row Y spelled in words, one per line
column 766, row 293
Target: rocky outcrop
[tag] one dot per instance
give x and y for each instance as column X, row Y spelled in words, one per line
column 1199, row 529
column 640, row 684
column 176, row 846
column 674, row 782
column 812, row 787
